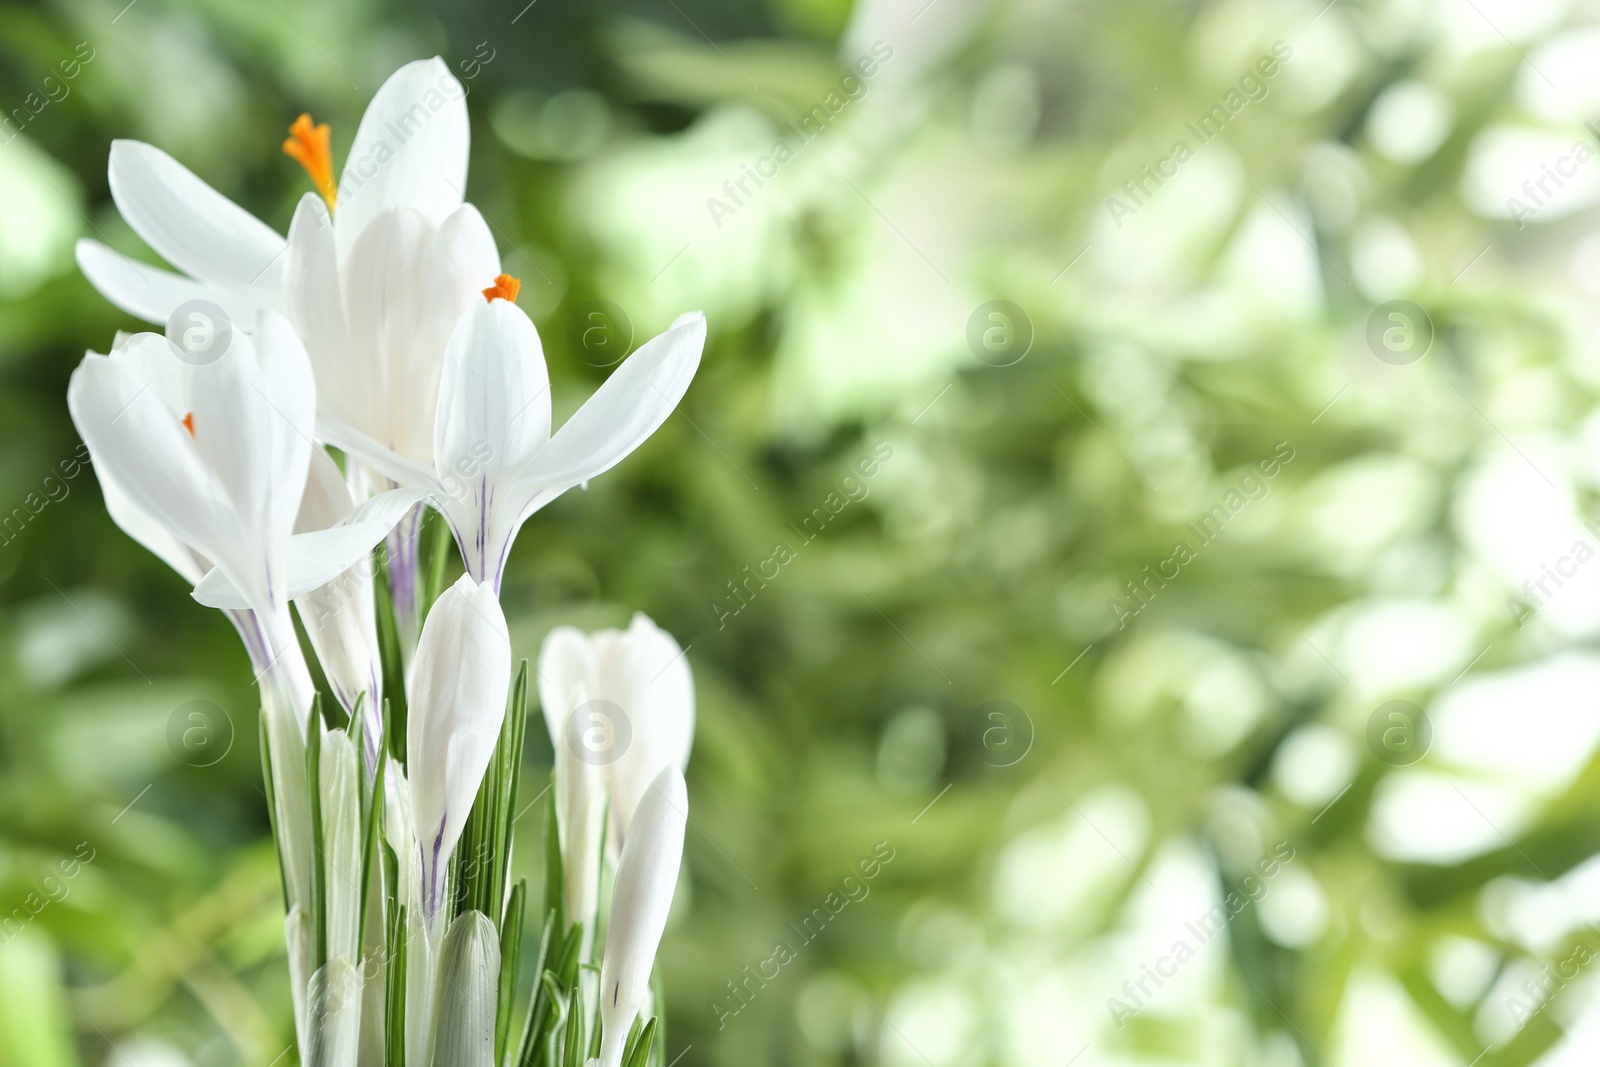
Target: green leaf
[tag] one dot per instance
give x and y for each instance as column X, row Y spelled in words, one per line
column 637, row 1052
column 395, row 994
column 319, row 873
column 553, row 874
column 658, row 995
column 558, row 1022
column 394, row 680
column 272, row 808
column 510, row 950
column 369, row 845
column 575, row 1045
column 511, row 781
column 438, row 558
column 538, row 1003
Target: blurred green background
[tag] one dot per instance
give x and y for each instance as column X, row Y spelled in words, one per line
column 1069, row 771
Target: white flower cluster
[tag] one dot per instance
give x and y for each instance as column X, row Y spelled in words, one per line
column 384, row 328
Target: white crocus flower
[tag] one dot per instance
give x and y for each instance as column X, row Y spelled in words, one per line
column 495, row 461
column 621, row 701
column 640, row 901
column 207, row 464
column 374, row 289
column 458, row 686
column 215, row 454
column 374, row 274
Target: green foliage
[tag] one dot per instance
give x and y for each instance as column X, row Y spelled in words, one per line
column 840, row 700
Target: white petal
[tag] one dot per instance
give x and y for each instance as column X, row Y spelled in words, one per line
column 622, row 413
column 410, row 150
column 316, row 307
column 341, row 621
column 494, row 397
column 317, row 557
column 646, row 674
column 151, row 293
column 670, row 686
column 151, row 534
column 253, row 412
column 459, row 680
column 640, row 901
column 581, row 809
column 155, row 360
column 463, row 258
column 379, row 458
column 398, row 828
column 192, row 226
column 565, row 680
column 134, row 439
column 566, row 666
column 288, row 387
column 393, row 353
column 494, row 415
column 326, row 500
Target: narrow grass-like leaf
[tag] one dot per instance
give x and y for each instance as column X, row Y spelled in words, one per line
column 352, row 726
column 438, row 558
column 562, row 977
column 394, row 680
column 517, row 717
column 639, row 1045
column 560, row 1015
column 369, row 845
column 575, row 1045
column 534, row 1006
column 319, row 872
column 510, row 952
column 554, row 881
column 272, row 808
column 658, row 996
column 395, row 997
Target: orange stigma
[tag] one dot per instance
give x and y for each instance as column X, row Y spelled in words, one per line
column 188, row 423
column 505, row 287
column 308, row 146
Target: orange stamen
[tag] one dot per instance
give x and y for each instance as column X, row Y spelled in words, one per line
column 188, row 423
column 308, row 146
column 505, row 287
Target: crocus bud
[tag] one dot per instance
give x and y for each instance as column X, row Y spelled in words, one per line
column 458, row 687
column 620, row 700
column 639, row 905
